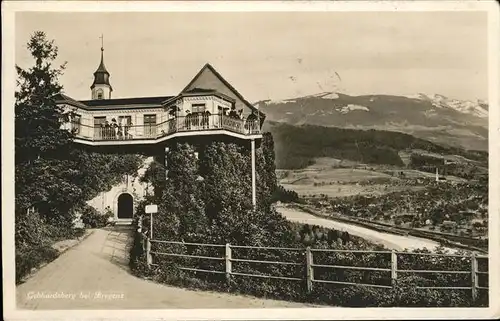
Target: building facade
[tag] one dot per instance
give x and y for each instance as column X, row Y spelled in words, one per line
column 208, row 108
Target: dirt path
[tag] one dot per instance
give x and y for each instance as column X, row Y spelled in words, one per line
column 95, row 275
column 392, row 241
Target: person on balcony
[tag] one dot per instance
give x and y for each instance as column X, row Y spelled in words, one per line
column 114, row 127
column 120, row 133
column 233, row 113
column 126, row 129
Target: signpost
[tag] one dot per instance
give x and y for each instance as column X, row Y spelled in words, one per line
column 151, row 209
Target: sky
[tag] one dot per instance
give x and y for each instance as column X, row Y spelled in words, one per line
column 273, row 55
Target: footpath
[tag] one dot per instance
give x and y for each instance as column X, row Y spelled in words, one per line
column 95, row 275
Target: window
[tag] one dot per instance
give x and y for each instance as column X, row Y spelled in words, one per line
column 98, row 121
column 99, row 129
column 222, row 110
column 125, row 120
column 197, row 108
column 100, row 94
column 149, row 120
column 149, row 125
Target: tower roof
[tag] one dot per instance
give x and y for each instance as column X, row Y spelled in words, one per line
column 101, row 75
column 101, row 67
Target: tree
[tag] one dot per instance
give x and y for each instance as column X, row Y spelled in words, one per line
column 52, row 175
column 43, row 177
column 38, row 119
column 42, row 145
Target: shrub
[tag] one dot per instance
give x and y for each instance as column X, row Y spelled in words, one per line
column 32, row 239
column 29, row 258
column 93, row 218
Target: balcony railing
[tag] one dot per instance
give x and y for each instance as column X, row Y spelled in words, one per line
column 191, row 123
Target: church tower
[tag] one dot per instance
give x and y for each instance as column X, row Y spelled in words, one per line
column 101, row 88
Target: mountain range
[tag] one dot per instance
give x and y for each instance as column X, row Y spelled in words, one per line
column 436, row 118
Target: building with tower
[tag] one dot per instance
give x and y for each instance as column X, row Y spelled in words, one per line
column 208, row 108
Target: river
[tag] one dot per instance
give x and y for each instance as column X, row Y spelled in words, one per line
column 391, row 241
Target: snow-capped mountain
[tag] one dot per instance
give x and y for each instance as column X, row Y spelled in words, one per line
column 477, row 108
column 433, row 117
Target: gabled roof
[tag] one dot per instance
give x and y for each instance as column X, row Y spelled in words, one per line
column 225, row 82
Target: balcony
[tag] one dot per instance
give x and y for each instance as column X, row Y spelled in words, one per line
column 191, row 125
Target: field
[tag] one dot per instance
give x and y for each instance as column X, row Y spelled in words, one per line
column 330, row 177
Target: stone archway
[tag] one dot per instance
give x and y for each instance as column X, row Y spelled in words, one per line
column 125, row 206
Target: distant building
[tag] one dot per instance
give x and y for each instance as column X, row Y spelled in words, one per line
column 438, row 177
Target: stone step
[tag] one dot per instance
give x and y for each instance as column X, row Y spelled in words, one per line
column 123, row 222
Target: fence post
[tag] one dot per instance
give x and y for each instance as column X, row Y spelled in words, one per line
column 149, row 257
column 474, row 279
column 394, row 267
column 228, row 262
column 309, row 269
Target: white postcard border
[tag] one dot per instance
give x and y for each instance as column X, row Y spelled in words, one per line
column 8, row 86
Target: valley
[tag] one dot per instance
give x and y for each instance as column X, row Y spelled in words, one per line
column 388, row 180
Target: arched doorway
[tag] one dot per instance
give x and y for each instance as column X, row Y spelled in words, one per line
column 125, row 206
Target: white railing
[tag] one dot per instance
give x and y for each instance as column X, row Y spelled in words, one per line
column 190, row 123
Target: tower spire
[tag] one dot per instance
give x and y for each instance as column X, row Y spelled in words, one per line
column 101, row 86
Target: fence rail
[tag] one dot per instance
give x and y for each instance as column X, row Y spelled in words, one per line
column 311, row 266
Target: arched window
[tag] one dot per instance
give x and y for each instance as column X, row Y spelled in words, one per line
column 100, row 94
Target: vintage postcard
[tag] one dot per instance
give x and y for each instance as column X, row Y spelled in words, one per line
column 250, row 160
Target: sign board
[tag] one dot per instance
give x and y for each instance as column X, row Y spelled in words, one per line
column 151, row 209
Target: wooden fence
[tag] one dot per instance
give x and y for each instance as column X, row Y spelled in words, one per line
column 311, row 266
